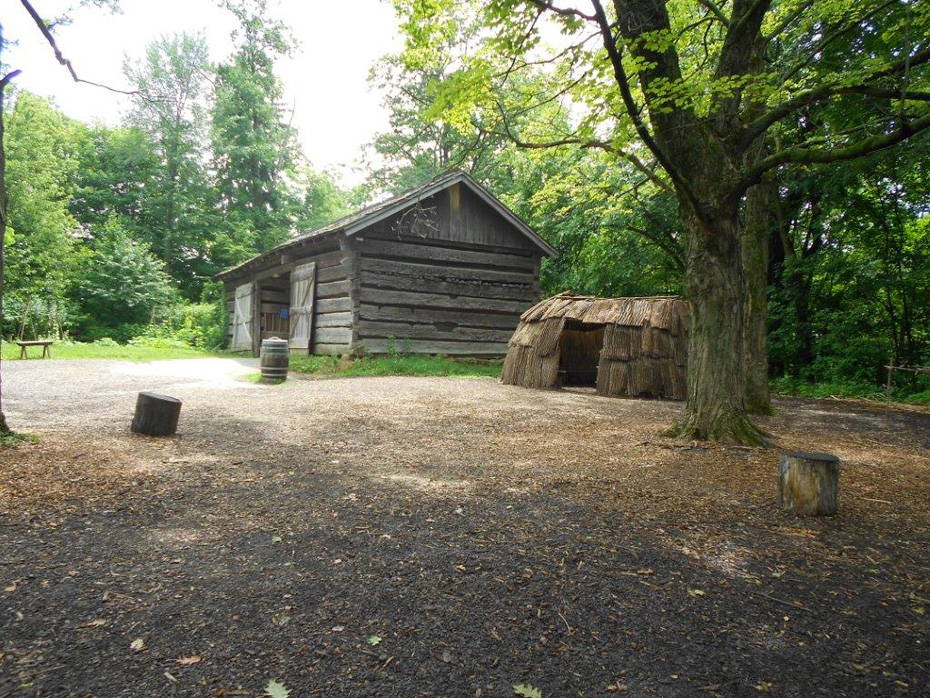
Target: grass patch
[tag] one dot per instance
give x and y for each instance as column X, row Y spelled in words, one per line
column 122, row 352
column 395, row 366
column 14, row 439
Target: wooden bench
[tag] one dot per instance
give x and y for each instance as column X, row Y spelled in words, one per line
column 46, row 345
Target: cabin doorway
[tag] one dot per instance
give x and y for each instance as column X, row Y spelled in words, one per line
column 580, row 354
column 274, row 314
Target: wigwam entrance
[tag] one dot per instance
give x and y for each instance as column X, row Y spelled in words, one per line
column 626, row 347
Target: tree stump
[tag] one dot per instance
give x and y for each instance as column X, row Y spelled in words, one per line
column 156, row 415
column 808, row 483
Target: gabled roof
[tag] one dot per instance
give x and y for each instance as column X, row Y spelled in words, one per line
column 363, row 218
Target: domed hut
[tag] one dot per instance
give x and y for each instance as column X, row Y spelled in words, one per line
column 626, row 347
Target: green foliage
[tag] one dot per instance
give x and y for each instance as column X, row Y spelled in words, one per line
column 396, row 365
column 15, row 439
column 40, row 240
column 253, row 146
column 849, row 286
column 527, row 691
column 169, row 107
column 276, row 690
column 120, row 282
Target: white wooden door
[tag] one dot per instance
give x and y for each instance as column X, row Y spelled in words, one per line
column 242, row 319
column 303, row 284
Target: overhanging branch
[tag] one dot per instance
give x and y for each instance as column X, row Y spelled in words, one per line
column 814, row 156
column 46, row 32
column 818, row 94
column 616, row 60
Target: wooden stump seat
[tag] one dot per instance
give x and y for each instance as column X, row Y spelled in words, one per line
column 156, row 415
column 808, row 483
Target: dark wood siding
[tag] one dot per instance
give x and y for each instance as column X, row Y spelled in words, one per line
column 456, row 215
column 332, row 317
column 427, row 295
column 448, row 275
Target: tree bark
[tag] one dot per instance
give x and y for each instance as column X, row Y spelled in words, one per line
column 4, row 427
column 715, row 408
column 755, row 254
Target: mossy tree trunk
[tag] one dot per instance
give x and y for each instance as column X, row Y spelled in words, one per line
column 755, row 257
column 715, row 284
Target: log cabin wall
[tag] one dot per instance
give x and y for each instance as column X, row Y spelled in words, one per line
column 332, row 307
column 444, row 269
column 449, row 276
column 332, row 317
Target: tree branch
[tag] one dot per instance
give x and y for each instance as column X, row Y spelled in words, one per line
column 760, row 125
column 9, row 77
column 616, row 60
column 716, row 11
column 46, row 32
column 563, row 11
column 586, row 143
column 813, row 156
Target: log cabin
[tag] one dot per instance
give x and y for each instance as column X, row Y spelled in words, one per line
column 442, row 269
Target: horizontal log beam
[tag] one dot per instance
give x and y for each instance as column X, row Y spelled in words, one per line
column 401, row 330
column 476, row 290
column 333, row 289
column 413, row 251
column 332, row 305
column 419, row 299
column 429, row 346
column 333, row 319
column 368, row 311
column 332, row 335
column 330, row 348
column 433, row 272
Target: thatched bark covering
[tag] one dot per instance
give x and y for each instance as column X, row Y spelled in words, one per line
column 640, row 345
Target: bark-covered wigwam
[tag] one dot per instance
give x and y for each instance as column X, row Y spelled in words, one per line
column 626, row 347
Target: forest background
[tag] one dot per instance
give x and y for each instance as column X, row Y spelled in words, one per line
column 115, row 232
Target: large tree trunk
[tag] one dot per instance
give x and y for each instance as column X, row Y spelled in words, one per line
column 714, row 282
column 4, row 427
column 755, row 254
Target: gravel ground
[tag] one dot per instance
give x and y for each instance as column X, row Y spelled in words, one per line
column 444, row 537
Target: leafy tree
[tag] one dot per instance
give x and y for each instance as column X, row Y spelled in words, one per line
column 116, row 175
column 253, row 147
column 169, row 107
column 704, row 91
column 850, row 269
column 40, row 165
column 321, row 201
column 5, row 82
column 121, row 281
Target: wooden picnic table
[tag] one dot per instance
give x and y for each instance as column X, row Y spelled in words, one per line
column 46, row 345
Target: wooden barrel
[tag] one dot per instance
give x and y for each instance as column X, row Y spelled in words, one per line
column 274, row 360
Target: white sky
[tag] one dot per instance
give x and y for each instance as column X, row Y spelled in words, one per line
column 336, row 112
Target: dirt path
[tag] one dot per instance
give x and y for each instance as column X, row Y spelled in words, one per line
column 441, row 537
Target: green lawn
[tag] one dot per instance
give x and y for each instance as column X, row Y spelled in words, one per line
column 123, row 352
column 395, row 366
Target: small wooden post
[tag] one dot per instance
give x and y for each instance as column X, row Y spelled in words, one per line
column 156, row 415
column 890, row 368
column 808, row 483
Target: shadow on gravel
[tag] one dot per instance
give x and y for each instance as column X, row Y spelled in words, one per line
column 291, row 566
